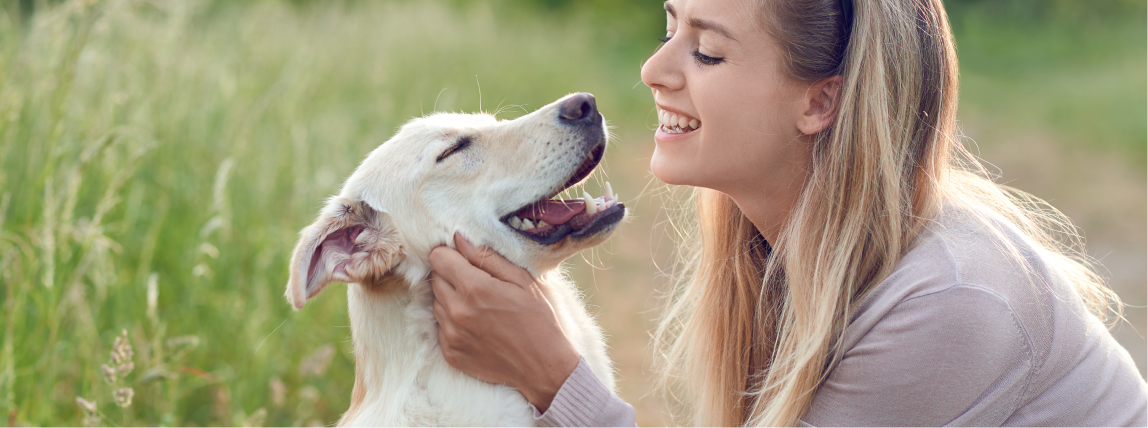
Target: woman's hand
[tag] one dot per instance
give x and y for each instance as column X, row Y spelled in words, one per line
column 494, row 323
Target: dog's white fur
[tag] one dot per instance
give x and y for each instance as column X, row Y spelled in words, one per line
column 406, row 201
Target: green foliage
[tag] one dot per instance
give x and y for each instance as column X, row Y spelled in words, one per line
column 1075, row 70
column 1045, row 11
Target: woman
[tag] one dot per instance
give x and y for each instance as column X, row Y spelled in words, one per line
column 854, row 266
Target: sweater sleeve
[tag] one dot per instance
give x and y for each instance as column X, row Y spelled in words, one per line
column 955, row 357
column 584, row 401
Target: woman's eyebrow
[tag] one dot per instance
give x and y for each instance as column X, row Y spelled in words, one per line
column 701, row 24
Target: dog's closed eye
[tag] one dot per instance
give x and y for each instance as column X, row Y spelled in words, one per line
column 462, row 143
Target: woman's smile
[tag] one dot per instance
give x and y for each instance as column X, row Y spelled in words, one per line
column 673, row 125
column 676, row 123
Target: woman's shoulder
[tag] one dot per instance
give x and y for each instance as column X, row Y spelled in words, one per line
column 964, row 248
column 974, row 274
column 975, row 325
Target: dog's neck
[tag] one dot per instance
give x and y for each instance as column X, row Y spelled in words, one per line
column 395, row 342
column 385, row 317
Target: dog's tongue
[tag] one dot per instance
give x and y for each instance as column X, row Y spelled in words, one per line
column 553, row 212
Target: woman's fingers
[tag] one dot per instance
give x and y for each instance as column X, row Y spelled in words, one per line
column 496, row 325
column 455, row 270
column 453, row 310
column 492, row 263
column 442, row 291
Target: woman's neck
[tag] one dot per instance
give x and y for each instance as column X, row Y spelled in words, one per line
column 769, row 207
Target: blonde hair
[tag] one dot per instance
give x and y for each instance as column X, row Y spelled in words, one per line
column 749, row 336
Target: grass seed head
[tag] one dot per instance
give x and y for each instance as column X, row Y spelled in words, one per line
column 109, row 374
column 88, row 406
column 278, row 392
column 124, row 396
column 121, row 359
column 91, row 414
column 316, row 363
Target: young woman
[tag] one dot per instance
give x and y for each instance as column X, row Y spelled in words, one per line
column 853, row 265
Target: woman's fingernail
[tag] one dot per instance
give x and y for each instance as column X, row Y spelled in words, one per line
column 458, row 235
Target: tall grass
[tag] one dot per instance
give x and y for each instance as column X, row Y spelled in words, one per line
column 160, row 157
column 1074, row 70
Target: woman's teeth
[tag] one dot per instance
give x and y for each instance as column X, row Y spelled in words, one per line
column 672, row 123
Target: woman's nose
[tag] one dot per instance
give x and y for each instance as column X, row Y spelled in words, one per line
column 661, row 72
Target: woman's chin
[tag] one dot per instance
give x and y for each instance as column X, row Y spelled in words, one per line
column 667, row 171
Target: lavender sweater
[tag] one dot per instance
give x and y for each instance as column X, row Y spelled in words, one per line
column 959, row 334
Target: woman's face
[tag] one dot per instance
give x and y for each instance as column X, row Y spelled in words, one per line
column 728, row 114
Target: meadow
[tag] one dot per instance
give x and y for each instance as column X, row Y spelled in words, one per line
column 160, row 156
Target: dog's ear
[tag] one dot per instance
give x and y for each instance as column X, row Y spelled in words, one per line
column 350, row 242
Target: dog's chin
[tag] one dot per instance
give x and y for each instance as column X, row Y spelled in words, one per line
column 582, row 229
column 547, row 253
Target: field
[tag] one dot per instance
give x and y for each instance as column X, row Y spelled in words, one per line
column 159, row 158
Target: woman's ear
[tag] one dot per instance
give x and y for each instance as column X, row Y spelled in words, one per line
column 820, row 103
column 350, row 242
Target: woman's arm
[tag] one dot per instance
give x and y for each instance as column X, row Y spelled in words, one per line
column 497, row 326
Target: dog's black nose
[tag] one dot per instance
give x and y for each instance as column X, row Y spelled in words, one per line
column 579, row 108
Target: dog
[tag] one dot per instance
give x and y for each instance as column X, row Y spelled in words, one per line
column 492, row 181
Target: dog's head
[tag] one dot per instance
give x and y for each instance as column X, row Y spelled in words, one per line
column 490, row 180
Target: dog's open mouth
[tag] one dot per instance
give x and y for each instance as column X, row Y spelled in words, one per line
column 548, row 221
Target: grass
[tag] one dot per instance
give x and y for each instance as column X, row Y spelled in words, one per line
column 1072, row 71
column 159, row 158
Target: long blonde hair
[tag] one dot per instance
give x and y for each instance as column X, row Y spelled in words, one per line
column 749, row 336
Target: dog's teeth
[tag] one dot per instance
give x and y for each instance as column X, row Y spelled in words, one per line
column 591, row 207
column 694, row 123
column 516, row 222
column 609, row 191
column 540, row 224
column 527, row 224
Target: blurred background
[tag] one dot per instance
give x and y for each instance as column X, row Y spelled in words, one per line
column 160, row 156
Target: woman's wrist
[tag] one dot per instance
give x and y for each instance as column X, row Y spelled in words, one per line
column 541, row 388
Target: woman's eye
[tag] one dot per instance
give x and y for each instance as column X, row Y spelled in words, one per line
column 664, row 39
column 704, row 59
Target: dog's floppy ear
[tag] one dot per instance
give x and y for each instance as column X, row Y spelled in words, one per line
column 350, row 242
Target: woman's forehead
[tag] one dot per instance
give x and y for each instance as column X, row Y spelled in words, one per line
column 732, row 19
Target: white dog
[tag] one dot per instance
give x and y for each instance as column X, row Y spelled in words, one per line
column 493, row 182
